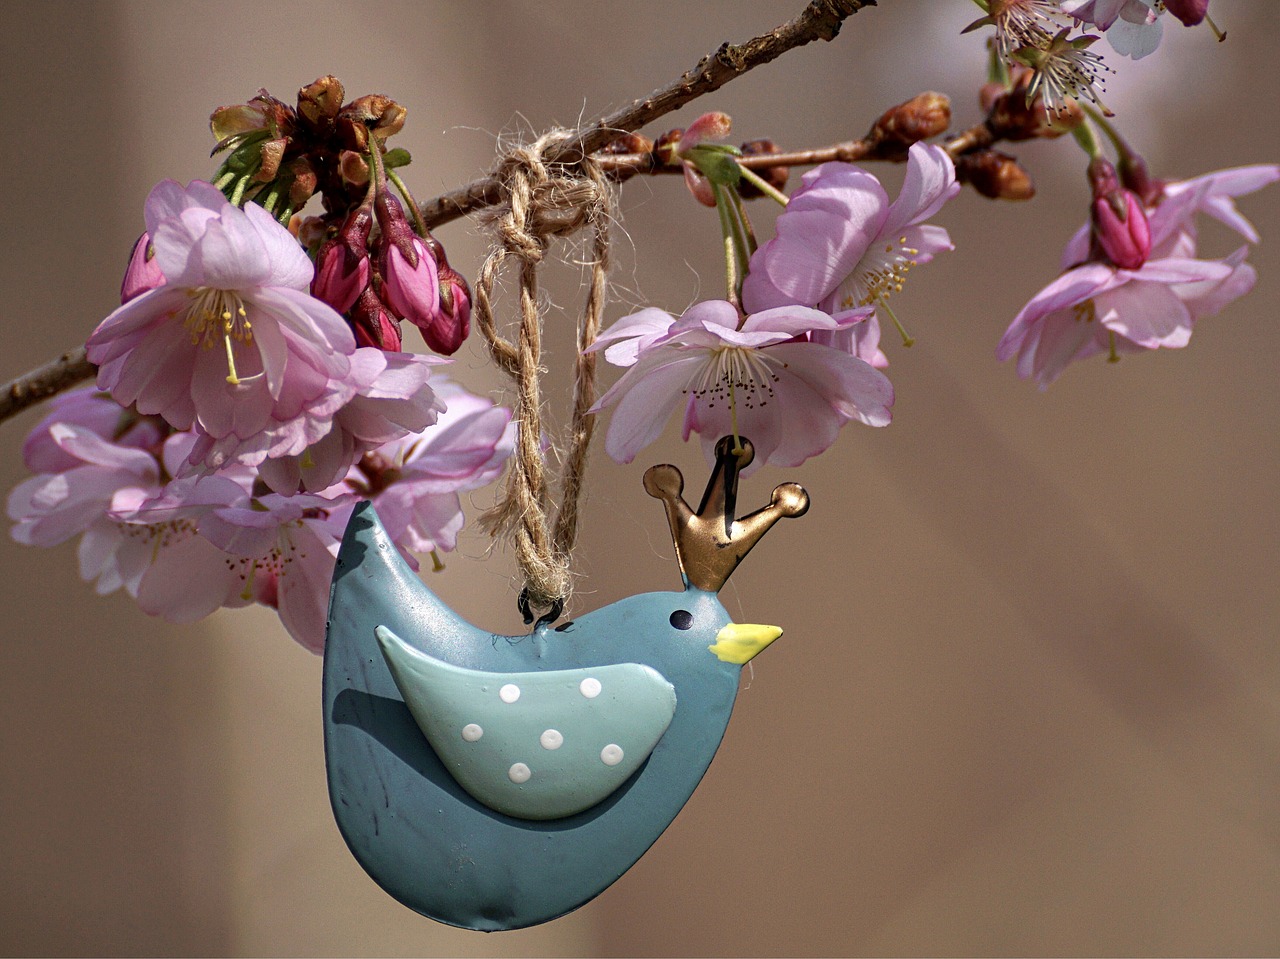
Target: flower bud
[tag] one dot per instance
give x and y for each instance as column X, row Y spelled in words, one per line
column 454, row 319
column 143, row 272
column 775, row 176
column 410, row 282
column 372, row 324
column 628, row 143
column 707, row 128
column 1190, row 12
column 923, row 116
column 342, row 262
column 1120, row 226
column 996, row 175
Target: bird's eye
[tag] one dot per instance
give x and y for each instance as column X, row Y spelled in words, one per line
column 682, row 619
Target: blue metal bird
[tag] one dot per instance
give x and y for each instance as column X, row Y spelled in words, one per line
column 494, row 782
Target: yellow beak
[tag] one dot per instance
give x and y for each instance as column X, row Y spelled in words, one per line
column 740, row 642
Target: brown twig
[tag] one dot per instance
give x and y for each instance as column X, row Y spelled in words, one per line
column 45, row 381
column 820, row 20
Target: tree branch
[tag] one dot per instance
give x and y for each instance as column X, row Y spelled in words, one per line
column 45, row 381
column 820, row 20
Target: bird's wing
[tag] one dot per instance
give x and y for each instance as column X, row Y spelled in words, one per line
column 534, row 745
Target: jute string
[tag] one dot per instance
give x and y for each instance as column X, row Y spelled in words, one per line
column 542, row 201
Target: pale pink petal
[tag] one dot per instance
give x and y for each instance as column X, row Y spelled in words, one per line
column 1149, row 314
column 288, row 264
column 189, row 579
column 930, row 182
column 646, row 396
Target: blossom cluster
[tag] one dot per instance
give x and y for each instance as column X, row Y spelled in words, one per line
column 236, row 422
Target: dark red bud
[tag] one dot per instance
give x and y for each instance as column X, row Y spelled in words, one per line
column 1190, row 12
column 373, row 323
column 628, row 143
column 996, row 175
column 923, row 116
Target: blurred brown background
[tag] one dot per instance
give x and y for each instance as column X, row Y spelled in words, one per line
column 1028, row 697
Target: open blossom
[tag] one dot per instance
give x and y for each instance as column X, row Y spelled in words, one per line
column 386, row 395
column 766, row 380
column 1135, row 27
column 96, row 412
column 158, row 558
column 281, row 553
column 1098, row 308
column 231, row 343
column 414, row 481
column 841, row 244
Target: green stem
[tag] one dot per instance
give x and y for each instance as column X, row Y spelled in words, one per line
column 763, row 185
column 237, row 194
column 419, row 224
column 732, row 275
column 1122, row 147
column 1087, row 139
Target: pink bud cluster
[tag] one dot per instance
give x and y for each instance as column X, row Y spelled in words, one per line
column 379, row 279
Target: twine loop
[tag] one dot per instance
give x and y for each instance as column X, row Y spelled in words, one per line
column 541, row 200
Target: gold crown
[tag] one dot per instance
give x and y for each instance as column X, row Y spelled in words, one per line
column 711, row 542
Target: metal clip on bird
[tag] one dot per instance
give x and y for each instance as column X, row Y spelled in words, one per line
column 495, row 782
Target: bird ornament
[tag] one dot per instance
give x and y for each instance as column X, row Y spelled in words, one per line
column 495, row 782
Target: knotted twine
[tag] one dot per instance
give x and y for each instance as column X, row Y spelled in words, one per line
column 542, row 200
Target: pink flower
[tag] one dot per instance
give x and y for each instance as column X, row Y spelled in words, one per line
column 766, row 380
column 156, row 556
column 841, row 244
column 231, row 343
column 1103, row 13
column 414, row 481
column 392, row 400
column 99, row 414
column 1098, row 308
column 282, row 553
column 50, row 508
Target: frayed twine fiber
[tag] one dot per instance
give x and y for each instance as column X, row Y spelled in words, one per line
column 540, row 201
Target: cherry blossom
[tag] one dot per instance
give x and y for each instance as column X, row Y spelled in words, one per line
column 281, row 554
column 414, row 481
column 841, row 244
column 386, row 396
column 1099, row 308
column 231, row 343
column 764, row 379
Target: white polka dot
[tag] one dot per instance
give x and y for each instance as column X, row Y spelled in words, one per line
column 611, row 755
column 519, row 773
column 551, row 739
column 471, row 732
column 509, row 693
column 590, row 687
